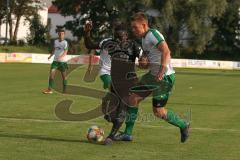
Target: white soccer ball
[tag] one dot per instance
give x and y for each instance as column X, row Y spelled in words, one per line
column 95, row 134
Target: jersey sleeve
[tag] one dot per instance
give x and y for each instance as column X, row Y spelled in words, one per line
column 101, row 44
column 156, row 37
column 66, row 46
column 97, row 52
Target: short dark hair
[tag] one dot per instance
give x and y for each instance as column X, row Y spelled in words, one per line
column 60, row 29
column 120, row 27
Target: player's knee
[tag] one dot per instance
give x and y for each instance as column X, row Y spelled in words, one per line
column 158, row 103
column 160, row 112
column 52, row 74
column 134, row 100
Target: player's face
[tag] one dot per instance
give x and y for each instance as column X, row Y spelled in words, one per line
column 61, row 35
column 139, row 28
column 121, row 35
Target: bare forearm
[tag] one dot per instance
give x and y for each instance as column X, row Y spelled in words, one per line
column 163, row 47
column 165, row 58
column 51, row 54
column 90, row 61
column 89, row 43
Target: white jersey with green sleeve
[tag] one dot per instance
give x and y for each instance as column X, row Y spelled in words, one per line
column 149, row 44
column 105, row 59
column 59, row 48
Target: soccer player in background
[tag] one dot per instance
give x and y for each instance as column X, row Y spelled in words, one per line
column 60, row 50
column 160, row 73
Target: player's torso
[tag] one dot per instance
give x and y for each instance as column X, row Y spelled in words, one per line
column 125, row 52
column 153, row 53
column 105, row 58
column 122, row 52
column 123, row 67
column 59, row 47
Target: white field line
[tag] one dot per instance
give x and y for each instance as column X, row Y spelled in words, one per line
column 92, row 123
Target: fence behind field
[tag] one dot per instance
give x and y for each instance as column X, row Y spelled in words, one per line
column 84, row 59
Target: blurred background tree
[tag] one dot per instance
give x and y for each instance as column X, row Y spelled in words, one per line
column 38, row 32
column 19, row 9
column 192, row 28
column 225, row 44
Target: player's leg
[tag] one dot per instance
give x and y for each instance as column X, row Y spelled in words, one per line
column 131, row 116
column 64, row 81
column 132, row 110
column 106, row 79
column 116, row 113
column 117, row 122
column 63, row 69
column 159, row 102
column 52, row 73
column 171, row 117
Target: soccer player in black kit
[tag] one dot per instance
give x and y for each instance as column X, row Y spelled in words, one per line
column 123, row 52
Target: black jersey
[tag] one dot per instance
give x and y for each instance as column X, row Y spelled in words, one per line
column 123, row 57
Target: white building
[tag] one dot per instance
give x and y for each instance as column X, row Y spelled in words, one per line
column 23, row 30
column 49, row 15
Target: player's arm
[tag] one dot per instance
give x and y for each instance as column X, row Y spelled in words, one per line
column 159, row 42
column 143, row 62
column 90, row 61
column 165, row 59
column 89, row 43
column 52, row 53
column 138, row 50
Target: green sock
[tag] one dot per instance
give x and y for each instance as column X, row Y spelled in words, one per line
column 130, row 119
column 50, row 83
column 64, row 85
column 175, row 120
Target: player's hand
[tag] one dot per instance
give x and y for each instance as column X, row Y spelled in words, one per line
column 143, row 62
column 49, row 57
column 88, row 26
column 160, row 74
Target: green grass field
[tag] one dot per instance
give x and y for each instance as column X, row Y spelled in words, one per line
column 30, row 130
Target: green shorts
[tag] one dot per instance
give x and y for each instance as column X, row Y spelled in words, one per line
column 61, row 66
column 160, row 90
column 107, row 80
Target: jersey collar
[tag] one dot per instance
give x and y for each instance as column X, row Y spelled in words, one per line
column 146, row 33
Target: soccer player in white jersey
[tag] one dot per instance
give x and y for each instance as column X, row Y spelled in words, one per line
column 105, row 66
column 60, row 51
column 105, row 58
column 160, row 73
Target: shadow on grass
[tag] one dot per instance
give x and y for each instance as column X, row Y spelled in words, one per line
column 39, row 137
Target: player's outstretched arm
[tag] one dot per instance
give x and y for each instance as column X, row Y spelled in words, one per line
column 89, row 43
column 90, row 66
column 51, row 54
